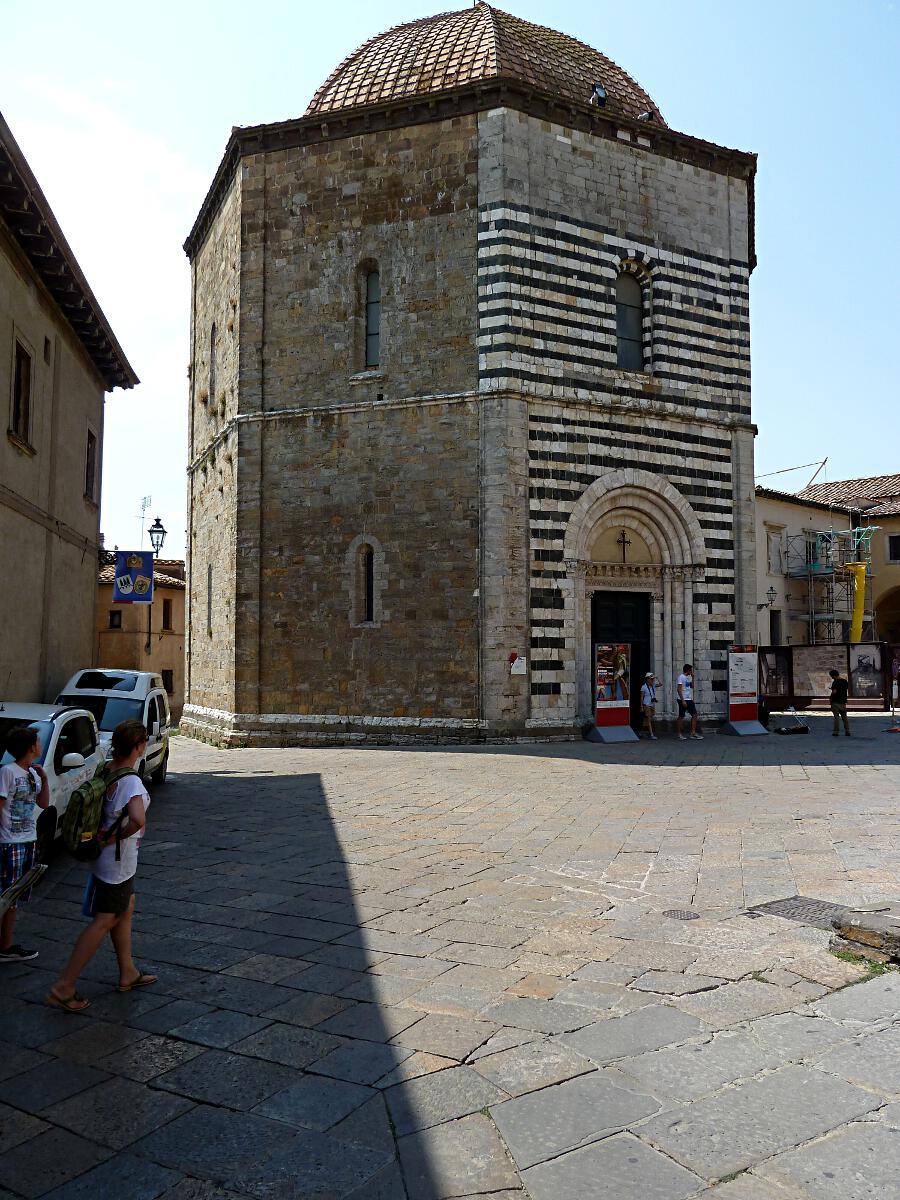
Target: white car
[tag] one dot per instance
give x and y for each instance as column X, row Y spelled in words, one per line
column 114, row 695
column 70, row 751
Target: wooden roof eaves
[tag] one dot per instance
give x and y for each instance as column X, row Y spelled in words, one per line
column 32, row 225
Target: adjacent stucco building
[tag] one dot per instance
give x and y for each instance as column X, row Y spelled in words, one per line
column 58, row 355
column 470, row 384
column 791, row 588
column 146, row 637
column 874, row 500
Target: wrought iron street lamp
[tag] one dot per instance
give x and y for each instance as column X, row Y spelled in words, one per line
column 157, row 532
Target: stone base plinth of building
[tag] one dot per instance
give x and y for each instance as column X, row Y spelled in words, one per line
column 228, row 729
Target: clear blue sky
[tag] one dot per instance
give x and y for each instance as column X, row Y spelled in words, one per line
column 123, row 112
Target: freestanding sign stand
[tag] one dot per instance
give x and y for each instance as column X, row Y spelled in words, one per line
column 612, row 694
column 743, row 692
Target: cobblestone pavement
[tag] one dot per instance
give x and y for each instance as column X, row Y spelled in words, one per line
column 451, row 973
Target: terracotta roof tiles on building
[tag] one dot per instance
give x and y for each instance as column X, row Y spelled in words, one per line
column 849, row 491
column 452, row 49
column 108, row 575
column 767, row 493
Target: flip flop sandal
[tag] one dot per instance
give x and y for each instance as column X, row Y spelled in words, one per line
column 141, row 981
column 74, row 1003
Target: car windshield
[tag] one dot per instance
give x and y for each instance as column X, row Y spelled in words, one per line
column 100, row 680
column 109, row 711
column 44, row 728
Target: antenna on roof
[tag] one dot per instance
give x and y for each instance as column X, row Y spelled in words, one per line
column 818, row 469
column 802, row 466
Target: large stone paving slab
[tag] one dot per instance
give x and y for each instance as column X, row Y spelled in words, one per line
column 535, row 1065
column 689, row 1072
column 545, row 1123
column 860, row 1163
column 871, row 1062
column 798, row 1036
column 440, row 1097
column 232, row 1080
column 460, row 1158
column 620, row 1037
column 124, row 1175
column 736, row 1002
column 620, row 1167
column 117, row 1112
column 876, row 1000
column 752, row 1121
column 47, row 1161
column 316, row 1164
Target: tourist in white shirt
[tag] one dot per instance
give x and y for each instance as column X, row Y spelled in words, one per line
column 648, row 702
column 113, row 884
column 686, row 705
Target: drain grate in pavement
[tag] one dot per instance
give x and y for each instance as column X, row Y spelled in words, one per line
column 681, row 914
column 804, row 909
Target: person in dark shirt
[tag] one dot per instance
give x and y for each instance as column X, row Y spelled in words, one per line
column 839, row 689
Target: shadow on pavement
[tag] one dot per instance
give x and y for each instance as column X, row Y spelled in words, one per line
column 269, row 1060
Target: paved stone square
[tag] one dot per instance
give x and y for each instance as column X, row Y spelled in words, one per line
column 437, row 974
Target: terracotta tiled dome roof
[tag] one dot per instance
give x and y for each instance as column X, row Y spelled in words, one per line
column 475, row 44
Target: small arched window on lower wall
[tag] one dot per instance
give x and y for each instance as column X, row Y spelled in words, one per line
column 365, row 570
column 629, row 323
column 367, row 583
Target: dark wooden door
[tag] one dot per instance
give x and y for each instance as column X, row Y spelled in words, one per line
column 625, row 617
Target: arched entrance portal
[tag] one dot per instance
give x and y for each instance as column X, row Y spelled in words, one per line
column 634, row 551
column 887, row 616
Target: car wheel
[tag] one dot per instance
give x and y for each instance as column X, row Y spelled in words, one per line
column 159, row 775
column 47, row 824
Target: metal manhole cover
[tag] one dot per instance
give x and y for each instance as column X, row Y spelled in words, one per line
column 804, row 909
column 681, row 914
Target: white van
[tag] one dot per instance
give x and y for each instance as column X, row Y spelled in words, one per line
column 114, row 696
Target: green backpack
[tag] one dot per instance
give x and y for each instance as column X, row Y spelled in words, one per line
column 83, row 817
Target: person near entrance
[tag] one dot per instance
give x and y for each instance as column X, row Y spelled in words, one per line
column 686, row 705
column 648, row 702
column 839, row 690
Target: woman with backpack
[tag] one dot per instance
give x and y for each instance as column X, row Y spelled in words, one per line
column 112, row 901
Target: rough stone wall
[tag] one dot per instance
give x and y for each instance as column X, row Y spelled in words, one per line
column 316, row 218
column 49, row 528
column 324, row 452
column 210, row 643
column 404, row 480
column 559, row 213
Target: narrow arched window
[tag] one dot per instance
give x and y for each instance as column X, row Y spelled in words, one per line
column 629, row 323
column 367, row 582
column 373, row 319
column 212, row 363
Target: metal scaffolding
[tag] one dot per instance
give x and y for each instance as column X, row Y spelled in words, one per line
column 818, row 560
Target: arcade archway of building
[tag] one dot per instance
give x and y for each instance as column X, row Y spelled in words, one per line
column 887, row 616
column 632, row 537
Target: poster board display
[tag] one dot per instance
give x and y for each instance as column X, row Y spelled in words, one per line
column 612, row 683
column 811, row 667
column 866, row 671
column 775, row 671
column 743, row 677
